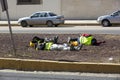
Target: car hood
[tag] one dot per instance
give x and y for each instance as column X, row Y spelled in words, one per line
column 105, row 16
column 24, row 18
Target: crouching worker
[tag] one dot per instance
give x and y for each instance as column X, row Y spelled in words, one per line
column 84, row 39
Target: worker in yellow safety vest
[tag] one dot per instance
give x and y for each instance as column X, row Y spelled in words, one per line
column 51, row 45
column 84, row 39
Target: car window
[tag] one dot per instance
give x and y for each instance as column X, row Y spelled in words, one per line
column 116, row 13
column 43, row 15
column 52, row 14
column 35, row 15
column 119, row 13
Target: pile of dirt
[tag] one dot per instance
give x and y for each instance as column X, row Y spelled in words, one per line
column 108, row 52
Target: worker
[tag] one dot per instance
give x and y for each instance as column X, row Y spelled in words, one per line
column 84, row 39
column 43, row 44
column 65, row 47
column 36, row 41
column 50, row 46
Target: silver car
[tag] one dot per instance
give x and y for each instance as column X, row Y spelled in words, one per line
column 43, row 17
column 108, row 20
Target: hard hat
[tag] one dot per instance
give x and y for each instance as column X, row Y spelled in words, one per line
column 32, row 44
column 74, row 43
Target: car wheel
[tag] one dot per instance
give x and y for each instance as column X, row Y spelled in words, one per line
column 49, row 23
column 106, row 23
column 24, row 24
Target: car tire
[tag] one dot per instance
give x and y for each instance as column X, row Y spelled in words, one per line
column 106, row 23
column 49, row 23
column 24, row 24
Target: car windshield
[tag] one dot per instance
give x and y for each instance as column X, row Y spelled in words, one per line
column 35, row 15
column 52, row 14
column 116, row 13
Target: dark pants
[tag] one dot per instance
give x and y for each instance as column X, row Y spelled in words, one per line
column 36, row 39
column 73, row 39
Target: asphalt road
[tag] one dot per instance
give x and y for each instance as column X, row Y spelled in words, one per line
column 21, row 75
column 63, row 30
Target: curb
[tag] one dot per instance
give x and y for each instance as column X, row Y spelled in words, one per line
column 81, row 22
column 5, row 23
column 45, row 65
column 67, row 22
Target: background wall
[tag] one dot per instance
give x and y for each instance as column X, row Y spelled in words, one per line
column 0, row 11
column 88, row 9
column 52, row 5
column 17, row 11
column 71, row 9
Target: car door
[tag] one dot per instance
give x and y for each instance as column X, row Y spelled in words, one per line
column 43, row 18
column 35, row 19
column 116, row 18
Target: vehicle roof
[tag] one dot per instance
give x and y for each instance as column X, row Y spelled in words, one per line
column 43, row 12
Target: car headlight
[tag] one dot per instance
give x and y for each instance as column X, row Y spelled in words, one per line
column 19, row 20
column 99, row 19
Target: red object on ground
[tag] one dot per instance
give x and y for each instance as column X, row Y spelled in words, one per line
column 86, row 35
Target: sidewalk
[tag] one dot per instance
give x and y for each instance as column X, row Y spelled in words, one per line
column 81, row 22
column 67, row 22
column 5, row 23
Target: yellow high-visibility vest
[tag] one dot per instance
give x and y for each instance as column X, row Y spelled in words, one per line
column 48, row 45
column 86, row 40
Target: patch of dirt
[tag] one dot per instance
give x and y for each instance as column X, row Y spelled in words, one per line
column 108, row 52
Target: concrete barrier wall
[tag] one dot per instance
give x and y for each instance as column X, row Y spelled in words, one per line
column 88, row 9
column 41, row 65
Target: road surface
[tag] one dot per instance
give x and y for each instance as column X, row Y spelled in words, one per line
column 21, row 75
column 63, row 30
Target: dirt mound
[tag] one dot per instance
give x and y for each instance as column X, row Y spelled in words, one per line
column 105, row 52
